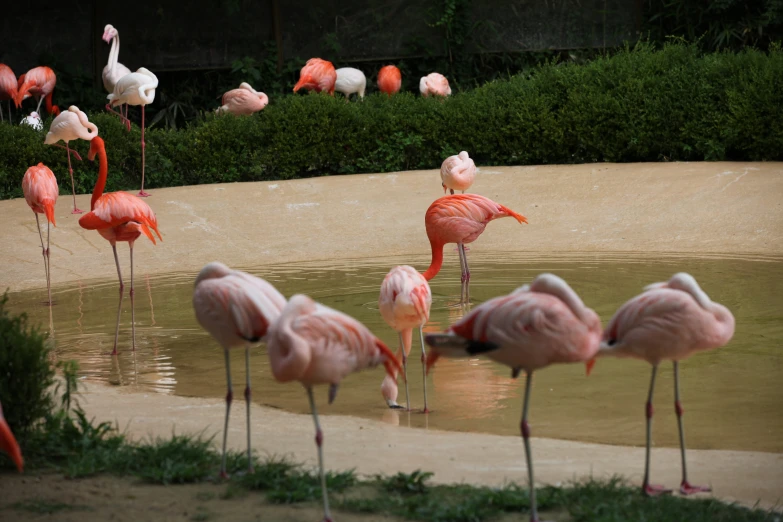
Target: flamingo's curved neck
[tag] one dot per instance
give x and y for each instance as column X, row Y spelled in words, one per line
column 103, row 170
column 114, row 52
column 437, row 261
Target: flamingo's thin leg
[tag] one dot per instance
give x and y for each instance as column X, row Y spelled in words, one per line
column 525, row 429
column 73, row 185
column 125, row 121
column 48, row 265
column 38, row 108
column 647, row 488
column 424, row 368
column 119, row 306
column 466, row 272
column 247, row 404
column 685, row 487
column 405, row 372
column 462, row 271
column 229, row 398
column 70, row 151
column 141, row 193
column 319, row 441
column 133, row 307
column 43, row 253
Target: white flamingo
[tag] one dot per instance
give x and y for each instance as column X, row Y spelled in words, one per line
column 457, row 172
column 137, row 88
column 350, row 81
column 33, row 120
column 113, row 70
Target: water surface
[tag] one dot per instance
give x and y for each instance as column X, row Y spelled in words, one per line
column 731, row 396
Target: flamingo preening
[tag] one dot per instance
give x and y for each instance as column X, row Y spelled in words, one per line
column 40, row 192
column 457, row 172
column 314, row 344
column 667, row 322
column 317, row 75
column 389, row 80
column 243, row 101
column 538, row 324
column 117, row 216
column 236, row 308
column 136, row 88
column 38, row 82
column 68, row 126
column 113, row 70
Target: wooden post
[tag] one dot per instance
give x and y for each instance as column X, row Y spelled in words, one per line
column 277, row 25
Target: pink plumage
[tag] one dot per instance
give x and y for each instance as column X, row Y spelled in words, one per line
column 38, row 82
column 8, row 88
column 457, row 172
column 237, row 309
column 536, row 325
column 668, row 321
column 434, row 84
column 243, row 101
column 40, row 192
column 404, row 303
column 317, row 75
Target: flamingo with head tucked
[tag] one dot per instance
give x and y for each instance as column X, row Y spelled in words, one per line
column 460, row 218
column 117, row 216
column 434, row 84
column 40, row 192
column 350, row 81
column 314, row 344
column 243, row 101
column 38, row 82
column 457, row 172
column 404, row 304
column 136, row 88
column 667, row 322
column 68, row 126
column 389, row 80
column 236, row 308
column 113, row 70
column 317, row 75
column 538, row 324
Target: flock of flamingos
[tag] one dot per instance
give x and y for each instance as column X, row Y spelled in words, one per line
column 538, row 324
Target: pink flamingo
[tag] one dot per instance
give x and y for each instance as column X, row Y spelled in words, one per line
column 460, row 218
column 113, row 70
column 243, row 101
column 68, row 126
column 317, row 75
column 314, row 344
column 389, row 80
column 136, row 88
column 40, row 192
column 38, row 82
column 434, row 84
column 668, row 321
column 8, row 88
column 236, row 309
column 8, row 443
column 536, row 325
column 117, row 216
column 457, row 172
column 404, row 303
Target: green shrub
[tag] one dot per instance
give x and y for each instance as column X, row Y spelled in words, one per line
column 639, row 104
column 26, row 375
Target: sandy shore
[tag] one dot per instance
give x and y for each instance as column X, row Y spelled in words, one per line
column 701, row 208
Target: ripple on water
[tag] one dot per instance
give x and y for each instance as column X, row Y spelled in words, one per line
column 732, row 396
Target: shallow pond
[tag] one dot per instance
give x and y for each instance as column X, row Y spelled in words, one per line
column 731, row 396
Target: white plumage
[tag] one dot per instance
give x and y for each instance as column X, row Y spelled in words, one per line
column 350, row 81
column 33, row 120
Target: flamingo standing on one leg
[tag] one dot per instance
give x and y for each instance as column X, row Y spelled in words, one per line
column 8, row 443
column 457, row 172
column 404, row 303
column 236, row 308
column 38, row 82
column 389, row 80
column 8, row 88
column 243, row 101
column 460, row 218
column 668, row 321
column 317, row 75
column 68, row 126
column 113, row 70
column 136, row 88
column 314, row 344
column 434, row 84
column 117, row 216
column 40, row 192
column 536, row 325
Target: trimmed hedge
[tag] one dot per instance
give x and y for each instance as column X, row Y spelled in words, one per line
column 637, row 105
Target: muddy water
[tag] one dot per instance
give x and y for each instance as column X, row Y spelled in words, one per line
column 731, row 396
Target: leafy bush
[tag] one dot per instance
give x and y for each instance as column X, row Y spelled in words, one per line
column 26, row 375
column 639, row 104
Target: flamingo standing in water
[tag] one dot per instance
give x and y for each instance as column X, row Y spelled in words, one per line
column 457, row 172
column 236, row 309
column 243, row 101
column 117, row 216
column 404, row 303
column 350, row 81
column 314, row 344
column 38, row 82
column 68, row 126
column 460, row 218
column 136, row 88
column 668, row 321
column 113, row 70
column 8, row 88
column 40, row 192
column 8, row 443
column 389, row 80
column 538, row 324
column 434, row 84
column 317, row 75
